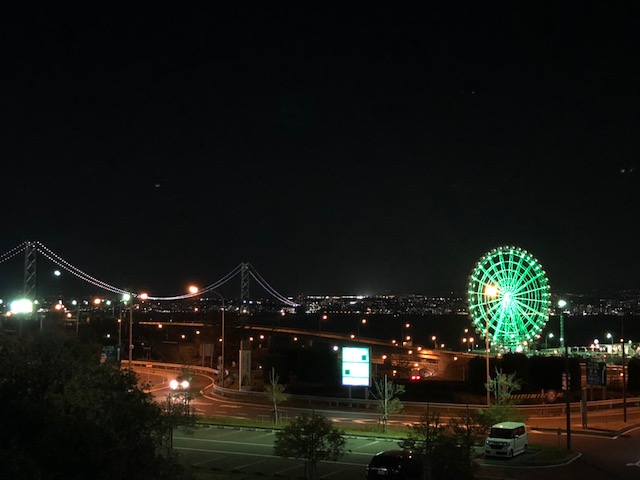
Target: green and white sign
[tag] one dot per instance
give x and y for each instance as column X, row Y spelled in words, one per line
column 356, row 366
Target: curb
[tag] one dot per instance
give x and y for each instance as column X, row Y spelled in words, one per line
column 592, row 431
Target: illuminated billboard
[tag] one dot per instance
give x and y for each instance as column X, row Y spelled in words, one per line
column 356, row 366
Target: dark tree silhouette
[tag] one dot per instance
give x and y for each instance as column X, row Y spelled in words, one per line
column 312, row 438
column 65, row 415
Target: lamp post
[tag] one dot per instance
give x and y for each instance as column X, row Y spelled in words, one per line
column 486, row 344
column 119, row 337
column 562, row 304
column 320, row 319
column 130, row 334
column 362, row 322
column 624, row 373
column 610, row 337
column 221, row 370
column 464, row 339
column 546, row 340
column 404, row 338
column 125, row 298
column 490, row 291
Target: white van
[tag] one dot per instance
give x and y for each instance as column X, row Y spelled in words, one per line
column 506, row 439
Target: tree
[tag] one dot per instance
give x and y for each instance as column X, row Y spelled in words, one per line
column 386, row 393
column 503, row 408
column 177, row 412
column 65, row 415
column 312, row 438
column 446, row 450
column 275, row 392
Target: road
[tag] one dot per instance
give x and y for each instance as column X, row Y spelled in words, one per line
column 600, row 455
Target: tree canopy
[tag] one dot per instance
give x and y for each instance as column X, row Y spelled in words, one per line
column 65, row 415
column 313, row 438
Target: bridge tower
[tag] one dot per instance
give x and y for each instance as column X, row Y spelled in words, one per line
column 244, row 284
column 30, row 270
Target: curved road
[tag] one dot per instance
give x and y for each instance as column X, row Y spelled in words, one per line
column 600, row 456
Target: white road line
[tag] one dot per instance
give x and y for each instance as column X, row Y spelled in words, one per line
column 226, row 452
column 223, row 441
column 369, row 444
column 290, row 468
column 246, row 465
column 270, row 434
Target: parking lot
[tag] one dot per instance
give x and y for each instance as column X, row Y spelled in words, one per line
column 251, row 452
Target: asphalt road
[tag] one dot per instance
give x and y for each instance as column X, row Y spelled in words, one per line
column 598, row 456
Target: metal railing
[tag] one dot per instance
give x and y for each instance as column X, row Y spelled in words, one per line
column 311, row 401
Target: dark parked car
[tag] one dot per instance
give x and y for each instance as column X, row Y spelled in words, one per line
column 395, row 465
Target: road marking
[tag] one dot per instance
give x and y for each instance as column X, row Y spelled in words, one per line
column 368, row 444
column 290, row 468
column 226, row 452
column 270, row 434
column 249, row 464
column 223, row 441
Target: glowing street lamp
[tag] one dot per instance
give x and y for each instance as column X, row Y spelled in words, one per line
column 320, row 319
column 490, row 291
column 362, row 322
column 126, row 298
column 546, row 340
column 221, row 369
column 561, row 305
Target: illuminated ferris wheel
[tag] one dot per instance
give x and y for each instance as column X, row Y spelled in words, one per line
column 509, row 297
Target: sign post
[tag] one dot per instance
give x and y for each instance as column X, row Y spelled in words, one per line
column 356, row 366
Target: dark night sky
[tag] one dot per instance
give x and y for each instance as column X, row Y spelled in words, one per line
column 359, row 148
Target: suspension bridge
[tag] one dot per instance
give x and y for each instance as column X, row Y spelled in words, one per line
column 31, row 250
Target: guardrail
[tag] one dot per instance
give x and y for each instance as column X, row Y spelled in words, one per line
column 310, row 401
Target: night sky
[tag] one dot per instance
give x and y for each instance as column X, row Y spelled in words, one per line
column 347, row 148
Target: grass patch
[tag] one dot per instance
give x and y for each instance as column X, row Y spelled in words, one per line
column 265, row 424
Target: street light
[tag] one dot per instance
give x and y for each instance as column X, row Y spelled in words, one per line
column 546, row 344
column 320, row 319
column 610, row 337
column 490, row 291
column 362, row 322
column 221, row 370
column 562, row 304
column 119, row 338
column 125, row 298
column 403, row 337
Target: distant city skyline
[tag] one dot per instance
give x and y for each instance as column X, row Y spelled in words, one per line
column 63, row 276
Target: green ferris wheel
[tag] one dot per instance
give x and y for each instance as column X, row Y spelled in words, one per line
column 509, row 297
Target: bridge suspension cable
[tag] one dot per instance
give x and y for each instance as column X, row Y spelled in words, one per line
column 13, row 252
column 62, row 263
column 254, row 273
column 206, row 289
